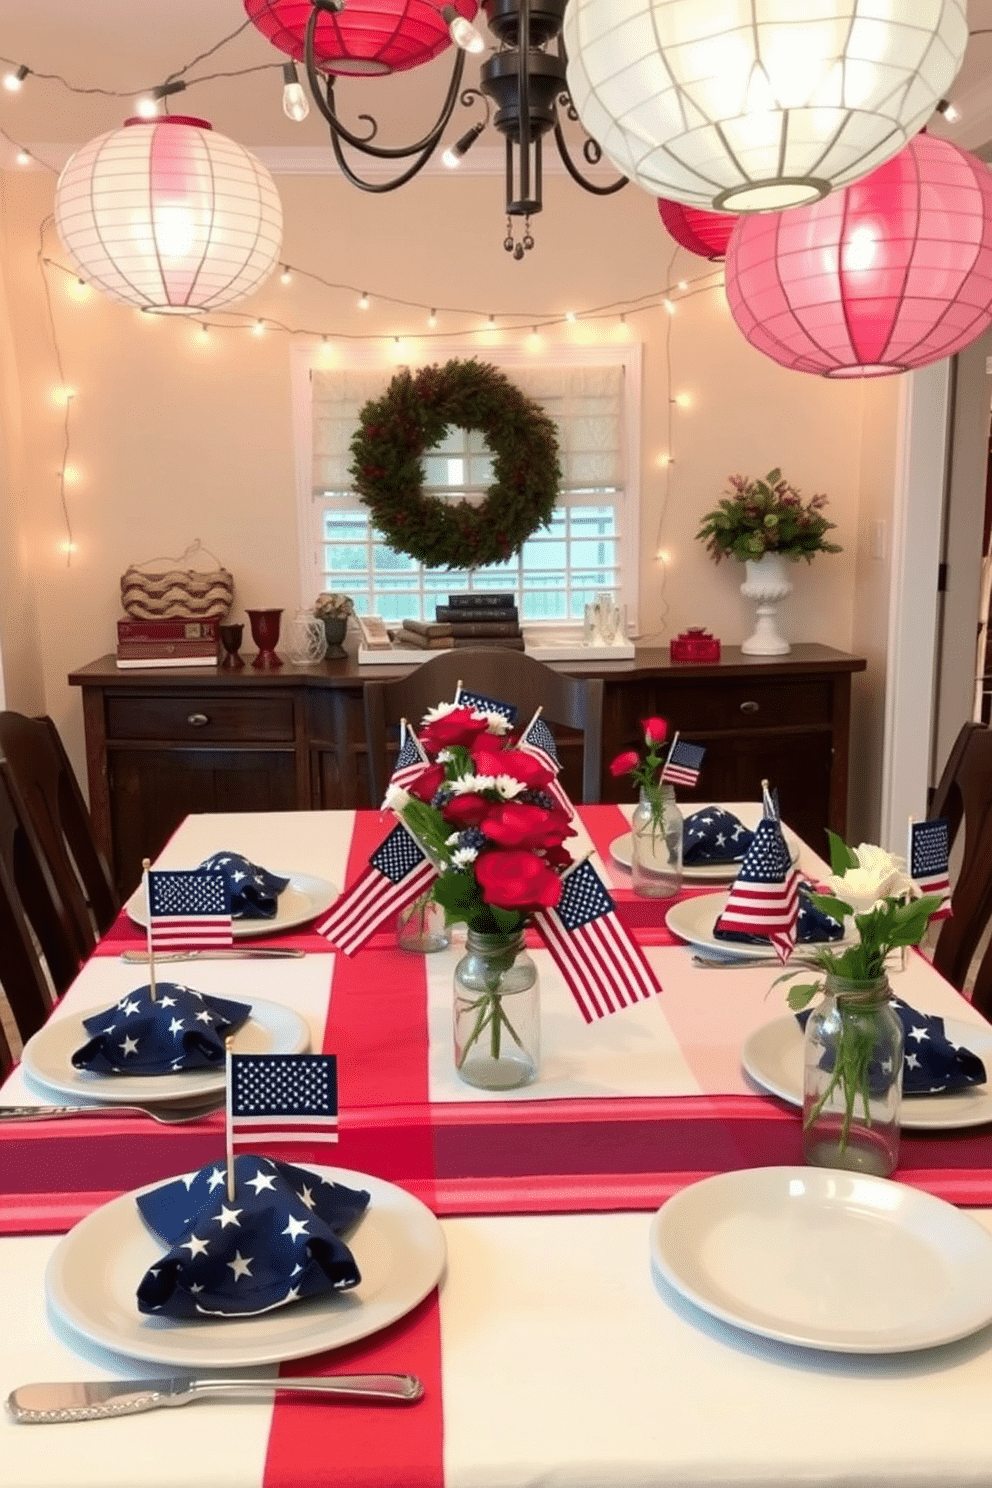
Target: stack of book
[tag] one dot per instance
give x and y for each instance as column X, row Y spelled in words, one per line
column 167, row 643
column 467, row 620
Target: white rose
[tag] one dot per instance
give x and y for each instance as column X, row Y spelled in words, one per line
column 879, row 875
column 396, row 799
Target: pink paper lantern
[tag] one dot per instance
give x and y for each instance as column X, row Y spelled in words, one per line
column 366, row 38
column 704, row 233
column 891, row 273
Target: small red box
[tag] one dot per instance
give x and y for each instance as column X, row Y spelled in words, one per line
column 695, row 645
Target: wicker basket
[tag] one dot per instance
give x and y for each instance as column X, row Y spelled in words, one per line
column 166, row 589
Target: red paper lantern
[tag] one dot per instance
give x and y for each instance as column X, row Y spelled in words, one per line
column 366, row 38
column 891, row 273
column 705, row 233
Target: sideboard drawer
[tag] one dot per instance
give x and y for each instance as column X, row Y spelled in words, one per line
column 742, row 705
column 202, row 718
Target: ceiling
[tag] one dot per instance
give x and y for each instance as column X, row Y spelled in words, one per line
column 124, row 47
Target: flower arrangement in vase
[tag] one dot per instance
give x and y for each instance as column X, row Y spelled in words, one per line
column 333, row 611
column 481, row 809
column 854, row 1041
column 656, row 826
column 761, row 523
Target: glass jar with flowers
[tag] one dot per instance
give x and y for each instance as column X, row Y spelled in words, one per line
column 853, row 1063
column 481, row 810
column 656, row 825
column 762, row 523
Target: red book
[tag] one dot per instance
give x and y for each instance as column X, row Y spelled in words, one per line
column 176, row 629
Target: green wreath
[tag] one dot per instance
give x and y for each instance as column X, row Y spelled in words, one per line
column 411, row 417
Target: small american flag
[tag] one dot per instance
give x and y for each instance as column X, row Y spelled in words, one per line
column 605, row 969
column 188, row 910
column 410, row 761
column 683, row 763
column 282, row 1098
column 466, row 698
column 538, row 739
column 397, row 872
column 765, row 897
column 928, row 854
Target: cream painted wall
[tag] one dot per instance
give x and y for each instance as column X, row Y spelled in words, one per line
column 174, row 437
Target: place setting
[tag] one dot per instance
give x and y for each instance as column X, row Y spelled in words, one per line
column 263, row 902
column 160, row 1043
column 250, row 1260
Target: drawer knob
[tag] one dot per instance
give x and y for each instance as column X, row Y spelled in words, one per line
column 197, row 720
column 750, row 706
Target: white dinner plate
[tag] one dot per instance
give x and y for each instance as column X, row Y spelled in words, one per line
column 773, row 1056
column 303, row 899
column 47, row 1057
column 749, row 812
column 93, row 1276
column 827, row 1259
column 693, row 920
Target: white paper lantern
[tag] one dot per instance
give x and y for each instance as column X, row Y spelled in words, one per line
column 169, row 216
column 758, row 105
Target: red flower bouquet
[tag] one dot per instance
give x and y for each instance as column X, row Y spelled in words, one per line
column 482, row 810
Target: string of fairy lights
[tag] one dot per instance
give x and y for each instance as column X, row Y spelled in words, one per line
column 435, row 322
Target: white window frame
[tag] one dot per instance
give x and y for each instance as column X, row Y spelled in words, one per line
column 309, row 355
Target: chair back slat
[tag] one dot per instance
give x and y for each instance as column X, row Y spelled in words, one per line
column 511, row 676
column 964, row 796
column 47, row 787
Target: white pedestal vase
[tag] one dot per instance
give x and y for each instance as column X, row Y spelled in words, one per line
column 766, row 583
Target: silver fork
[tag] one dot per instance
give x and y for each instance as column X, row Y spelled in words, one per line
column 166, row 1115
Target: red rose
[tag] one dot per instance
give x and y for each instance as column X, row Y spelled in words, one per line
column 457, row 727
column 514, row 762
column 655, row 730
column 517, row 880
column 466, row 811
column 625, row 762
column 424, row 785
column 488, row 744
column 516, row 824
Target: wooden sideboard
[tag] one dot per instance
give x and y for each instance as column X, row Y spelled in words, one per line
column 162, row 743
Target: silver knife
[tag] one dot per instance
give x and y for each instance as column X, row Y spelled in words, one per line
column 95, row 1400
column 235, row 953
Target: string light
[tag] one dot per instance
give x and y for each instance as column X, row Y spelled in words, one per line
column 258, row 329
column 363, row 303
column 285, row 277
column 432, row 320
column 295, row 104
column 23, row 158
column 14, row 81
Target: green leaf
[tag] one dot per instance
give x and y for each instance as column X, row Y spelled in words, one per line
column 798, row 997
column 828, row 904
column 841, row 856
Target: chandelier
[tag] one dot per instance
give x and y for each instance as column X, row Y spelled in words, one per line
column 522, row 84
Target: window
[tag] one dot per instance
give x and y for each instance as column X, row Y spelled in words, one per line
column 591, row 545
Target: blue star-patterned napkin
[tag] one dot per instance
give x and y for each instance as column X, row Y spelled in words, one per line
column 713, row 835
column 277, row 1241
column 254, row 890
column 180, row 1030
column 812, row 926
column 931, row 1064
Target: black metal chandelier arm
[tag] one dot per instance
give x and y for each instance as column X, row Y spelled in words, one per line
column 339, row 129
column 576, row 174
column 378, row 188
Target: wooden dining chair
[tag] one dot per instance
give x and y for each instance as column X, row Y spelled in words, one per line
column 6, row 1052
column 39, row 952
column 46, row 785
column 513, row 677
column 964, row 794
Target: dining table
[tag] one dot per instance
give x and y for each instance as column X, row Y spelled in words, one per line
column 554, row 1347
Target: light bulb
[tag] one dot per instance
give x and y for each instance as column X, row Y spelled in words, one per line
column 432, row 319
column 294, row 101
column 453, row 154
column 461, row 31
column 146, row 108
column 363, row 303
column 258, row 328
column 23, row 158
column 14, row 81
column 286, row 277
